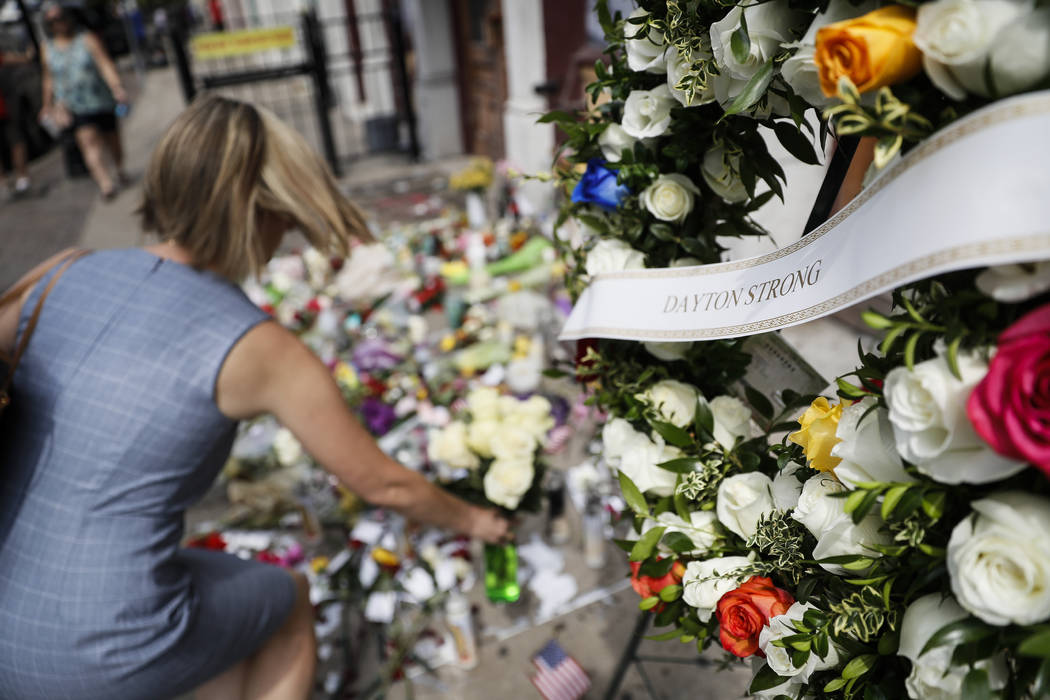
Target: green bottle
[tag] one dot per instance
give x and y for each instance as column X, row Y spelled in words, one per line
column 501, row 573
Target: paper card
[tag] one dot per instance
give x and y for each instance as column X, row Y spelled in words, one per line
column 776, row 366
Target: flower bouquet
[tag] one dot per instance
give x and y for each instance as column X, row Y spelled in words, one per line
column 490, row 454
column 885, row 547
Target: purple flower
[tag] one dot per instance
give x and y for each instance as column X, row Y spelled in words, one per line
column 378, row 417
column 598, row 186
column 373, row 355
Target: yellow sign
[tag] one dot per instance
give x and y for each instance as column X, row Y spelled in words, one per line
column 220, row 44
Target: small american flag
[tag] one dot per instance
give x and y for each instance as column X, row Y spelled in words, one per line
column 559, row 676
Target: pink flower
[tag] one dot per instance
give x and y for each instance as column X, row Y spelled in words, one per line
column 1010, row 408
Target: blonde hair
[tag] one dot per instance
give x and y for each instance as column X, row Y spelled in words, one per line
column 220, row 167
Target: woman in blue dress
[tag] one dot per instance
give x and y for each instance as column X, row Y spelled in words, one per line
column 123, row 411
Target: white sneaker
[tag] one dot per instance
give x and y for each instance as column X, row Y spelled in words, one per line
column 22, row 185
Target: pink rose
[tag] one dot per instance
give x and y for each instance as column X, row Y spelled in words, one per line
column 1010, row 408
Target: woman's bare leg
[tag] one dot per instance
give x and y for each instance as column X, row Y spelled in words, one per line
column 90, row 143
column 284, row 668
column 116, row 150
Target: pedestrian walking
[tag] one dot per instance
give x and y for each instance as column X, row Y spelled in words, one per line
column 14, row 79
column 81, row 92
column 123, row 412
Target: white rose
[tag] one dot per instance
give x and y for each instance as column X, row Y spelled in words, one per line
column 817, row 510
column 513, row 442
column 618, row 436
column 1015, row 283
column 482, row 435
column 955, row 36
column 678, row 66
column 933, row 677
column 507, row 480
column 647, row 113
column 999, row 559
column 533, row 416
column 670, row 197
column 930, row 425
column 639, row 464
column 779, row 658
column 846, row 538
column 449, row 445
column 721, row 172
column 644, row 53
column 705, row 582
column 768, row 26
column 800, row 71
column 483, row 403
column 668, row 352
column 613, row 255
column 742, row 500
column 787, row 488
column 700, row 528
column 524, row 375
column 614, row 141
column 867, row 447
column 286, row 447
column 674, row 401
column 1020, row 56
column 732, row 420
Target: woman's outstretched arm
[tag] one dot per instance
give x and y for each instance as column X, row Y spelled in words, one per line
column 270, row 371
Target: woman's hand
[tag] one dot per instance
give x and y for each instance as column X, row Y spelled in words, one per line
column 120, row 95
column 488, row 525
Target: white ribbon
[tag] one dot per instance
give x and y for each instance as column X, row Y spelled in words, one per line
column 976, row 193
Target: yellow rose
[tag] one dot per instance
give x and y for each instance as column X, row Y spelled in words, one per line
column 873, row 50
column 817, row 436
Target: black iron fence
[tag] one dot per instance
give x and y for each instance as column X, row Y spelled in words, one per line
column 341, row 79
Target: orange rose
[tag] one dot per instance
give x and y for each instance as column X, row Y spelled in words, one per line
column 873, row 50
column 647, row 586
column 742, row 613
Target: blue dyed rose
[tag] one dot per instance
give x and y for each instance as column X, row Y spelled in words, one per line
column 598, row 186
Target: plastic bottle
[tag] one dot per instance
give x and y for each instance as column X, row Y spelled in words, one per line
column 461, row 625
column 594, row 531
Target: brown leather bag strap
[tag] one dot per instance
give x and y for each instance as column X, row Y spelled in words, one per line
column 62, row 265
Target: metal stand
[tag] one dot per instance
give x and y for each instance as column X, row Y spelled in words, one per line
column 630, row 656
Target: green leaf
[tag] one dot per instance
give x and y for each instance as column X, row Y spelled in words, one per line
column 795, row 142
column 765, row 679
column 656, row 568
column 758, row 402
column 556, row 116
column 953, row 357
column 633, row 496
column 681, row 506
column 835, row 684
column 666, row 636
column 848, row 390
column 704, row 420
column 678, row 542
column 820, row 645
column 669, row 593
column 672, row 434
column 975, row 685
column 933, row 504
column 754, row 90
column 892, row 498
column 740, row 42
column 1037, row 644
column 889, row 643
column 555, row 373
column 643, row 548
column 959, row 632
column 875, row 320
column 858, row 666
column 909, row 349
column 682, row 465
column 891, row 338
column 648, row 603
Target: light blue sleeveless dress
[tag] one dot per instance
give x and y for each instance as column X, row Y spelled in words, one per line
column 76, row 80
column 113, row 431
